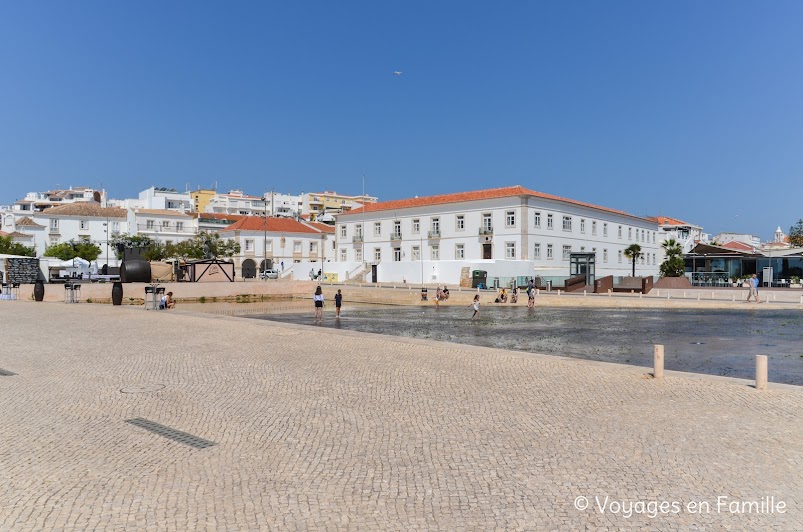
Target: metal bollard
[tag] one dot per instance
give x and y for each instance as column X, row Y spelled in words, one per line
column 761, row 372
column 658, row 361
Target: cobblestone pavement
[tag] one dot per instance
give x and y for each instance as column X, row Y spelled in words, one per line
column 318, row 429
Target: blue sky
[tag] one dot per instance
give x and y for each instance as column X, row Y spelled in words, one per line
column 686, row 109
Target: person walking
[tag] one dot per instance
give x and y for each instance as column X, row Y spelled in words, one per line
column 338, row 303
column 530, row 296
column 318, row 298
column 476, row 305
column 753, row 285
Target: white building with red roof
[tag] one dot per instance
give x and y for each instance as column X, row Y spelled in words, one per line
column 272, row 242
column 509, row 232
column 686, row 234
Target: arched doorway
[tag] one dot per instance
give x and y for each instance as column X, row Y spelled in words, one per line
column 249, row 269
column 266, row 264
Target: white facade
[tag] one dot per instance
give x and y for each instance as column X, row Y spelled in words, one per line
column 40, row 201
column 534, row 232
column 282, row 240
column 750, row 240
column 67, row 223
column 235, row 202
column 165, row 226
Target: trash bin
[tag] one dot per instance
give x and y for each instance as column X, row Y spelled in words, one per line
column 549, row 286
column 423, row 294
column 496, row 283
column 479, row 277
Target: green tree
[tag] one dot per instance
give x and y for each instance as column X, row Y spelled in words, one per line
column 197, row 247
column 633, row 252
column 9, row 247
column 673, row 265
column 70, row 250
column 796, row 234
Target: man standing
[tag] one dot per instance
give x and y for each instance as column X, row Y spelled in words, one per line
column 753, row 285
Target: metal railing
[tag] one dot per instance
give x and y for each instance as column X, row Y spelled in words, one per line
column 356, row 239
column 486, row 231
column 433, row 234
column 395, row 236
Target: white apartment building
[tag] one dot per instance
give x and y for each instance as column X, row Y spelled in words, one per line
column 236, row 202
column 73, row 222
column 165, row 226
column 267, row 243
column 40, row 201
column 330, row 202
column 511, row 231
column 686, row 234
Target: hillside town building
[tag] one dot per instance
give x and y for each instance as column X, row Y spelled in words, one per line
column 272, row 242
column 512, row 230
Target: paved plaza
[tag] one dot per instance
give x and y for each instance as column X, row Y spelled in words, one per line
column 120, row 418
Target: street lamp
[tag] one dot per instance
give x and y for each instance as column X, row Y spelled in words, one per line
column 265, row 239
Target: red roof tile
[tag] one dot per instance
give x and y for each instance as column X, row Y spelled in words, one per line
column 322, row 227
column 666, row 220
column 88, row 209
column 738, row 246
column 476, row 195
column 275, row 225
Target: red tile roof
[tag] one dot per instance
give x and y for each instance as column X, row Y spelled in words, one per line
column 666, row 220
column 476, row 195
column 322, row 227
column 275, row 225
column 26, row 221
column 737, row 246
column 86, row 208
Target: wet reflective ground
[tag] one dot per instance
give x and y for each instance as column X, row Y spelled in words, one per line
column 717, row 342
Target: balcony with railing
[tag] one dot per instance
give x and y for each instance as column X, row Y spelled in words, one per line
column 357, row 239
column 435, row 233
column 157, row 228
column 486, row 230
column 395, row 236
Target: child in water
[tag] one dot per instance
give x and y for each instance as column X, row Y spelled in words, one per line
column 476, row 305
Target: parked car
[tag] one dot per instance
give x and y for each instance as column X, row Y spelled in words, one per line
column 269, row 274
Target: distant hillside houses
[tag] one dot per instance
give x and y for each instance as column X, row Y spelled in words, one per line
column 507, row 232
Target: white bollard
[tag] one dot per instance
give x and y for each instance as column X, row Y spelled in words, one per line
column 761, row 372
column 668, row 297
column 658, row 293
column 734, row 298
column 801, row 300
column 609, row 295
column 658, row 361
column 684, row 295
column 640, row 295
column 712, row 295
column 584, row 293
column 698, row 297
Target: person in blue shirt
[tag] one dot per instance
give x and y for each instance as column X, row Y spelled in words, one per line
column 753, row 283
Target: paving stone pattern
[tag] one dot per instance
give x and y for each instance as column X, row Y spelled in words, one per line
column 318, row 429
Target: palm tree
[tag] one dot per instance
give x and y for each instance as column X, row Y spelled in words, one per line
column 672, row 248
column 673, row 266
column 633, row 252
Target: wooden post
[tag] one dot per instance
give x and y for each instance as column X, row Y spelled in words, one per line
column 658, row 361
column 761, row 372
